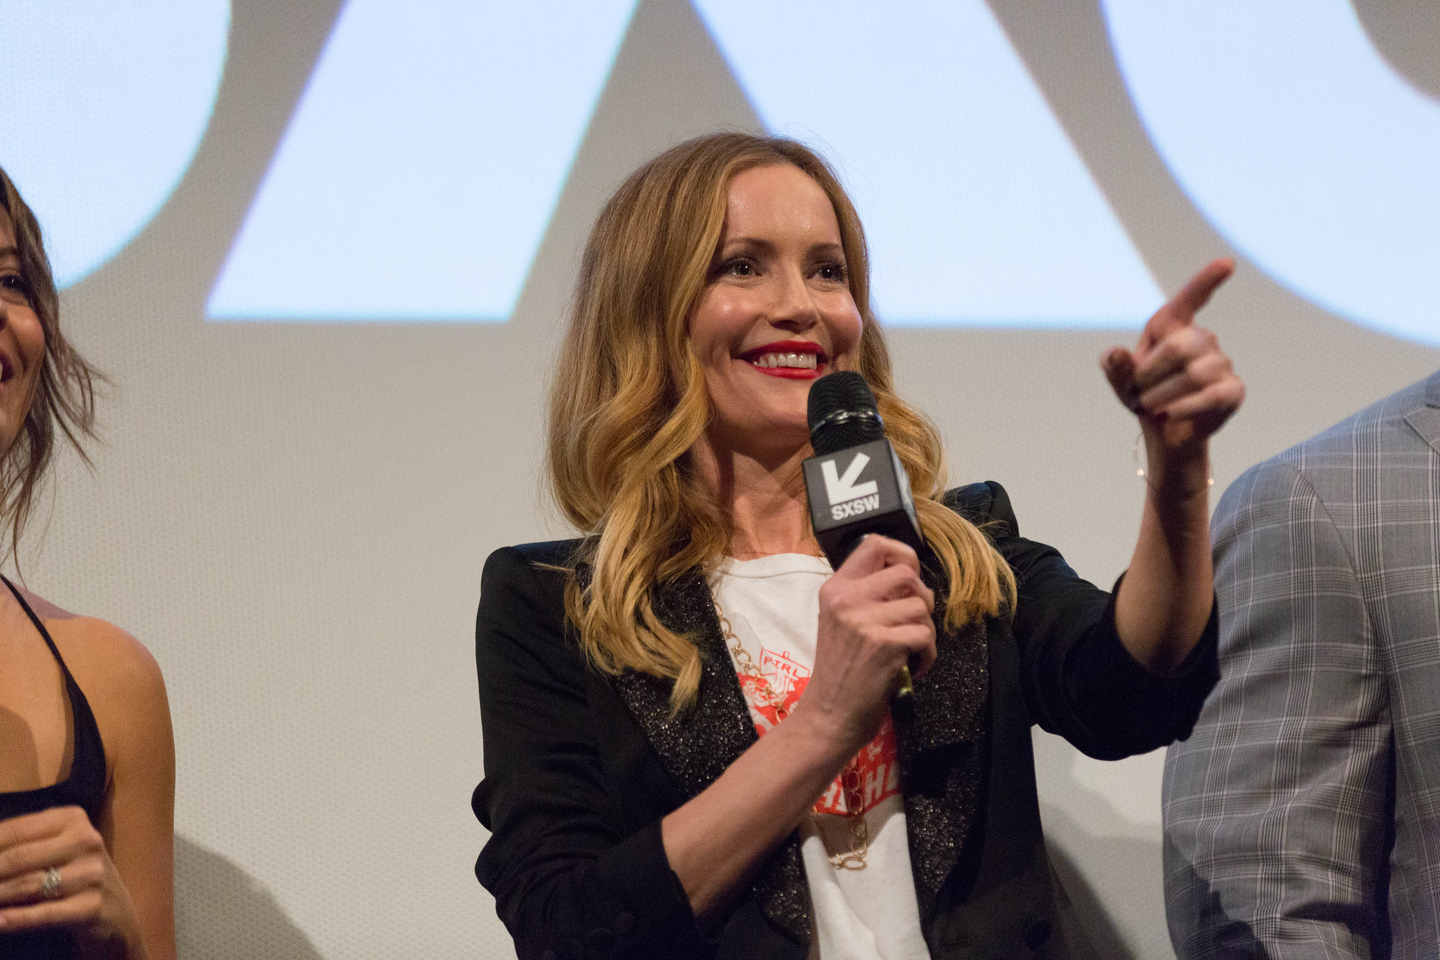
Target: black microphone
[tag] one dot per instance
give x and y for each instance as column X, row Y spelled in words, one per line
column 855, row 482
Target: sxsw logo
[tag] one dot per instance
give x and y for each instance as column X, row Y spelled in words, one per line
column 847, row 497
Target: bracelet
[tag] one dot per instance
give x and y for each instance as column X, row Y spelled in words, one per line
column 1140, row 468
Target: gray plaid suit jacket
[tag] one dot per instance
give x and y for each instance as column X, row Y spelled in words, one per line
column 1302, row 816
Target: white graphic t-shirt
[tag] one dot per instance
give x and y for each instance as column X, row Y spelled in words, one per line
column 773, row 605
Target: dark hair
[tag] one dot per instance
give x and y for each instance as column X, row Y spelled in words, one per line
column 64, row 391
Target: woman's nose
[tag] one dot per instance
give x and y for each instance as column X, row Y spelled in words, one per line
column 794, row 307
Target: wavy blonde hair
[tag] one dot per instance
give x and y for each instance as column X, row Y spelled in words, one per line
column 628, row 402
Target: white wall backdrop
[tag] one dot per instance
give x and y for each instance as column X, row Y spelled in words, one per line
column 293, row 516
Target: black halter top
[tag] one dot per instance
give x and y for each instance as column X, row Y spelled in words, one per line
column 84, row 787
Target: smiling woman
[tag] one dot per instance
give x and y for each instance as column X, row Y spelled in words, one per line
column 689, row 747
column 777, row 313
column 87, row 771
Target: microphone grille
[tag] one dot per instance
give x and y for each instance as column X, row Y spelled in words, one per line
column 842, row 413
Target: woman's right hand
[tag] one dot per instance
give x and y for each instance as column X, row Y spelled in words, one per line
column 90, row 897
column 875, row 618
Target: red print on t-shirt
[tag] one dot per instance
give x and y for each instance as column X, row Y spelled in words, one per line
column 876, row 763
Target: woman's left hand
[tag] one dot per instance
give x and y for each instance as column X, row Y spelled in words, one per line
column 1177, row 380
column 89, row 898
column 1183, row 389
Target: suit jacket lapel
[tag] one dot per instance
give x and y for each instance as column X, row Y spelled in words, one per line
column 1426, row 420
column 939, row 737
column 947, row 705
column 697, row 746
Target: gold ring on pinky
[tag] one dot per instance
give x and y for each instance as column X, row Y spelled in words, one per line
column 50, row 884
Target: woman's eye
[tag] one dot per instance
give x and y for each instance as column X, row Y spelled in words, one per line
column 15, row 288
column 832, row 271
column 738, row 268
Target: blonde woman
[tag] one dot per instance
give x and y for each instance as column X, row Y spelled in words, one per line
column 87, row 762
column 689, row 750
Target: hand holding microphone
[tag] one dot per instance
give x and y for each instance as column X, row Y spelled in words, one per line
column 857, row 486
column 875, row 616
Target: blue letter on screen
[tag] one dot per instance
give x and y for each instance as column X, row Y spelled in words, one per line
column 978, row 209
column 420, row 169
column 104, row 104
column 1299, row 143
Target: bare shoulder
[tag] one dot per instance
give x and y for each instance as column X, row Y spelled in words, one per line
column 118, row 675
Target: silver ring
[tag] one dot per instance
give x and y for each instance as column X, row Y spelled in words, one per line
column 50, row 884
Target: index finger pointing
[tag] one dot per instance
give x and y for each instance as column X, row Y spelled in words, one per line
column 1197, row 292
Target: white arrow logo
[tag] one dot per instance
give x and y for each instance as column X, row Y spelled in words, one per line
column 840, row 489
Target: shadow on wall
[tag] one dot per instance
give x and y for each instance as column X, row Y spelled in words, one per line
column 1108, row 866
column 1097, row 937
column 223, row 913
column 1110, row 862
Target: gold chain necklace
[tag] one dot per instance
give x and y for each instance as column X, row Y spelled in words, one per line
column 854, row 859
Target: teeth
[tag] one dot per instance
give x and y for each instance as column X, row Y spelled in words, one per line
column 801, row 361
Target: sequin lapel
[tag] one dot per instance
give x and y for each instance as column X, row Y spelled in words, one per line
column 696, row 747
column 943, row 737
column 942, row 745
column 940, row 740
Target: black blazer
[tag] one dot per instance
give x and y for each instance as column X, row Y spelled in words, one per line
column 580, row 767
